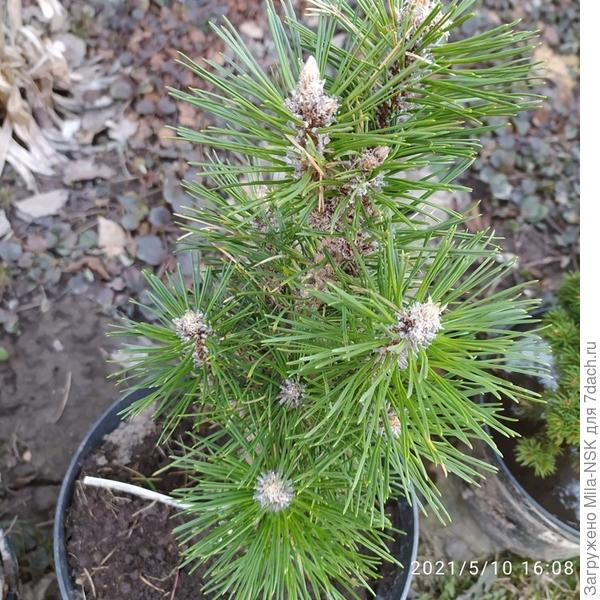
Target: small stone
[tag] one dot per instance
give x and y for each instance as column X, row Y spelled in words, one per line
column 134, row 279
column 252, row 30
column 145, row 300
column 503, row 160
column 88, row 239
column 128, row 202
column 44, row 498
column 75, row 49
column 125, row 588
column 486, row 174
column 130, row 221
column 150, row 249
column 506, row 142
column 166, row 107
column 145, row 107
column 78, row 285
column 51, row 239
column 500, row 186
column 126, row 59
column 160, row 217
column 121, row 89
column 9, row 319
column 551, row 35
column 529, row 186
column 10, row 251
column 117, row 284
column 522, row 125
column 571, row 217
column 105, row 297
column 533, row 210
column 26, row 261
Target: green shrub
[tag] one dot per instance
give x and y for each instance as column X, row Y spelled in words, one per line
column 341, row 324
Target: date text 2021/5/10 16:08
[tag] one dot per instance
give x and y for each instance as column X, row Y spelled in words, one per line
column 499, row 567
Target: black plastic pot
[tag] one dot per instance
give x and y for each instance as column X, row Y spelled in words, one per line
column 405, row 548
column 511, row 517
column 107, row 423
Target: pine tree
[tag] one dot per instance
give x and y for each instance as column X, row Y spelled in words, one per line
column 340, row 326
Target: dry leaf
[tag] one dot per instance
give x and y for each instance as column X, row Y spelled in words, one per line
column 70, row 127
column 122, row 130
column 15, row 16
column 252, row 30
column 74, row 48
column 111, row 237
column 42, row 205
column 5, row 227
column 86, row 169
column 33, row 66
column 5, row 137
column 54, row 12
column 92, row 262
column 557, row 69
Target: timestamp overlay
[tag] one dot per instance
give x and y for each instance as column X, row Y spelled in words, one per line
column 499, row 568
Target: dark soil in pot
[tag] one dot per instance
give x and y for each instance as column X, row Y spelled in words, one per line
column 120, row 546
column 123, row 547
column 558, row 493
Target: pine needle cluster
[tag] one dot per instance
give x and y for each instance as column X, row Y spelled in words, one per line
column 559, row 418
column 340, row 325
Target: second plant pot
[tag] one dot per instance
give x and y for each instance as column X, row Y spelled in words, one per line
column 395, row 585
column 510, row 516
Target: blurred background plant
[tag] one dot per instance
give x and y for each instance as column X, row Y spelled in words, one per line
column 558, row 417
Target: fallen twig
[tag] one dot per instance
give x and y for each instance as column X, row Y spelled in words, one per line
column 65, row 398
column 175, row 585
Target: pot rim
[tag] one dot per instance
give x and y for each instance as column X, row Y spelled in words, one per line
column 107, row 422
column 544, row 513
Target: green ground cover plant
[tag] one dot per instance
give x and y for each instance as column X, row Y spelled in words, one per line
column 559, row 414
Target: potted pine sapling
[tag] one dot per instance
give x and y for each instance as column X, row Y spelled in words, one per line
column 337, row 330
column 540, row 469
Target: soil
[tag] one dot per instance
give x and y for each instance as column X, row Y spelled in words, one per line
column 120, row 546
column 123, row 547
column 42, row 421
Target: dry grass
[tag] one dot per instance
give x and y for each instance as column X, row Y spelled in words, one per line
column 33, row 69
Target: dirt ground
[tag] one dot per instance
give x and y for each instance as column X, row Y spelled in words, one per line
column 66, row 275
column 53, row 387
